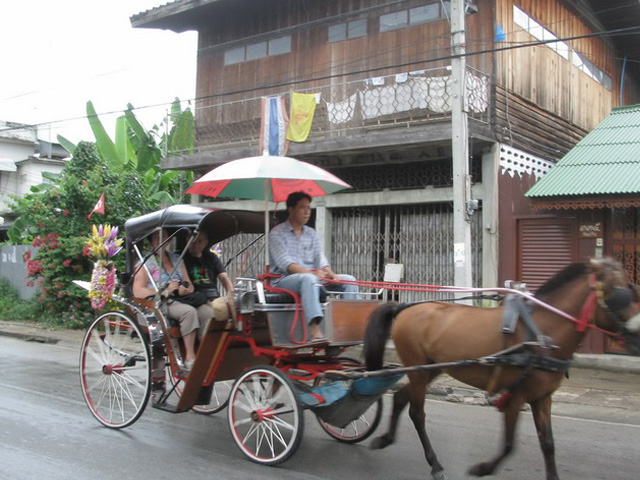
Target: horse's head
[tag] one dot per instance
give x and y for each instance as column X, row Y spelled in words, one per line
column 618, row 307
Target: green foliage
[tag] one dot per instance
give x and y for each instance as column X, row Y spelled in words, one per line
column 55, row 221
column 53, row 216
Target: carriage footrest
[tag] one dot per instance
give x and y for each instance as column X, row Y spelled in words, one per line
column 168, row 407
column 324, row 394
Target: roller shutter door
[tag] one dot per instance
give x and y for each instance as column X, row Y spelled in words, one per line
column 545, row 247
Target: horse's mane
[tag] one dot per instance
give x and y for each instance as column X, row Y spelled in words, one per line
column 564, row 276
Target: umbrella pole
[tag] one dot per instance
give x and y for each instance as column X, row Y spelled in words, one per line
column 266, row 225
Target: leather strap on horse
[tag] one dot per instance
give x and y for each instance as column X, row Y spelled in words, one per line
column 515, row 309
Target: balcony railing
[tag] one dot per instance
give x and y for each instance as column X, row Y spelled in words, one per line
column 343, row 109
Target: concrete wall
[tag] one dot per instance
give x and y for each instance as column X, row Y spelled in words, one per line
column 14, row 269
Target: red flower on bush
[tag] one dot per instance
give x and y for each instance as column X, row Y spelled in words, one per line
column 66, row 263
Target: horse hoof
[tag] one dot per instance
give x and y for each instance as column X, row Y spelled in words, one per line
column 441, row 475
column 380, row 442
column 479, row 470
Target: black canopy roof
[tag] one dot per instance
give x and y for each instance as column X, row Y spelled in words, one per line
column 218, row 224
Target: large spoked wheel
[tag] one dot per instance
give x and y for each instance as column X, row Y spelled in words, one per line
column 115, row 370
column 362, row 427
column 265, row 416
column 219, row 395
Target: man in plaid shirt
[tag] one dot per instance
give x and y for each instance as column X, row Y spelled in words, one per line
column 295, row 253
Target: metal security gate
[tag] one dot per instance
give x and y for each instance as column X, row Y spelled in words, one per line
column 420, row 236
column 625, row 240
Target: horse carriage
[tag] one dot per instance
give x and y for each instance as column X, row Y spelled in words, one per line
column 259, row 364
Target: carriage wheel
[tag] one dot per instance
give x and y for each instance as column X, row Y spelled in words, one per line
column 219, row 395
column 362, row 427
column 265, row 416
column 115, row 370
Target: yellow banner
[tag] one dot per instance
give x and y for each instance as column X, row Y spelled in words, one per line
column 303, row 107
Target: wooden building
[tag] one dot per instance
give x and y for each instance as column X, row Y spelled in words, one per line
column 540, row 75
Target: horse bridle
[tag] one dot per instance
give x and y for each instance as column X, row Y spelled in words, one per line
column 617, row 301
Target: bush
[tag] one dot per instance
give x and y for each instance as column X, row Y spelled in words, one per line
column 54, row 219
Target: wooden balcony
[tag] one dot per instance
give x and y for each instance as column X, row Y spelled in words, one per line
column 353, row 116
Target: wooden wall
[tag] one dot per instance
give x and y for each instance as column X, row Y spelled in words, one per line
column 313, row 59
column 541, row 76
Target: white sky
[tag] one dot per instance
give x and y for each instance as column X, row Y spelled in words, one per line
column 55, row 55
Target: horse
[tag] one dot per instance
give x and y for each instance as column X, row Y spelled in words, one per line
column 540, row 340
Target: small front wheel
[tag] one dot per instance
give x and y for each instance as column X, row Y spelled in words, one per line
column 115, row 370
column 265, row 415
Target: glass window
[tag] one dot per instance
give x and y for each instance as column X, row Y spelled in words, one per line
column 235, row 55
column 447, row 9
column 520, row 18
column 563, row 50
column 337, row 33
column 257, row 50
column 358, row 28
column 393, row 21
column 424, row 14
column 280, row 45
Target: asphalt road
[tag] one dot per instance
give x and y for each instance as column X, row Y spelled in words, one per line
column 46, row 431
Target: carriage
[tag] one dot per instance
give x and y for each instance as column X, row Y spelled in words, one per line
column 259, row 364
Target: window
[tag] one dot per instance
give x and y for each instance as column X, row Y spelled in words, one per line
column 235, row 55
column 344, row 31
column 337, row 33
column 393, row 21
column 258, row 50
column 357, row 28
column 281, row 45
column 427, row 13
column 524, row 21
column 415, row 16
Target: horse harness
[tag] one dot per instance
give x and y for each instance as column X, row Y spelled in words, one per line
column 517, row 308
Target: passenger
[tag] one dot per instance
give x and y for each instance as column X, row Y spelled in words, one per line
column 295, row 253
column 190, row 318
column 205, row 269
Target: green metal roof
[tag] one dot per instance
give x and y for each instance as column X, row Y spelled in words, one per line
column 605, row 162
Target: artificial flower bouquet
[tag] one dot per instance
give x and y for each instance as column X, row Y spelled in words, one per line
column 103, row 245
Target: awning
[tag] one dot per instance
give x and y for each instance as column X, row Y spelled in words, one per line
column 7, row 165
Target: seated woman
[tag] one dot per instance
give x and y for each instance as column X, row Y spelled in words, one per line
column 161, row 266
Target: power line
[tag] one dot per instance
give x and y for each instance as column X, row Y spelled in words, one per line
column 293, row 81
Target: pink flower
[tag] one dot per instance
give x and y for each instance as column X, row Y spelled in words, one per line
column 66, row 263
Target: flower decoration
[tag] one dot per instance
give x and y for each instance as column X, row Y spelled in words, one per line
column 103, row 245
column 216, row 250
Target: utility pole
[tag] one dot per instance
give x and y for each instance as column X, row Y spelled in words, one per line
column 460, row 150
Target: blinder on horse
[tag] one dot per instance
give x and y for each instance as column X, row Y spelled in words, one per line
column 619, row 300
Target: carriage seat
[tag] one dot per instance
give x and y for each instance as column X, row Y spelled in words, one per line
column 278, row 297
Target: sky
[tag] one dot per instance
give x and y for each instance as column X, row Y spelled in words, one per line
column 58, row 54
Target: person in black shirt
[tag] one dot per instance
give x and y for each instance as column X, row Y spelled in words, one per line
column 205, row 268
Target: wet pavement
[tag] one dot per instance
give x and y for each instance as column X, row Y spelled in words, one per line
column 595, row 381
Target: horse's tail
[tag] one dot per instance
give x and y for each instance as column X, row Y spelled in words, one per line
column 377, row 334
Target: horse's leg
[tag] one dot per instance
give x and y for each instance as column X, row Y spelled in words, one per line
column 510, row 421
column 541, row 410
column 400, row 400
column 418, row 390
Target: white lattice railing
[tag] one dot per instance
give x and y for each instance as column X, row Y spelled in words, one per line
column 399, row 100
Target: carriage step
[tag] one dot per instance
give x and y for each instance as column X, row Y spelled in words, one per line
column 168, row 407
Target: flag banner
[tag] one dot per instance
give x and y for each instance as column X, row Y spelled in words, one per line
column 303, row 107
column 273, row 128
column 99, row 208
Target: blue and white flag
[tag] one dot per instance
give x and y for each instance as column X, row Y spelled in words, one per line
column 274, row 125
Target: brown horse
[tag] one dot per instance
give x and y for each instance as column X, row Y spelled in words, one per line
column 539, row 346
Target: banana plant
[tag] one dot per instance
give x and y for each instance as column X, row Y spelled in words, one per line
column 135, row 148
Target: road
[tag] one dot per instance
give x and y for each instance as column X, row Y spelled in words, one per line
column 46, row 431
